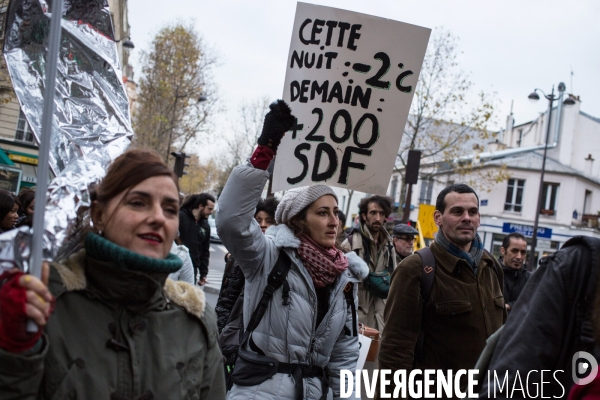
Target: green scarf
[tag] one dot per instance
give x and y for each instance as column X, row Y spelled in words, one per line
column 103, row 249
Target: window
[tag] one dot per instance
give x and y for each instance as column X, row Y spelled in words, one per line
column 514, row 195
column 549, row 196
column 394, row 187
column 24, row 131
column 426, row 189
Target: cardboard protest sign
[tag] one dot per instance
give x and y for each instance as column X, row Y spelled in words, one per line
column 350, row 81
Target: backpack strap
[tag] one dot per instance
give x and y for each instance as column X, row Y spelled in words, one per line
column 276, row 278
column 427, row 273
column 349, row 295
column 427, row 277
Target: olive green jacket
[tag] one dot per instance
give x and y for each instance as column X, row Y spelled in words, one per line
column 371, row 307
column 118, row 334
column 463, row 310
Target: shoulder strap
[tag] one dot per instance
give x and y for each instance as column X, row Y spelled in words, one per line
column 493, row 263
column 428, row 272
column 349, row 295
column 391, row 265
column 427, row 277
column 275, row 280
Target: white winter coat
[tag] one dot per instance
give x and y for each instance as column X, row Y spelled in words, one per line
column 286, row 333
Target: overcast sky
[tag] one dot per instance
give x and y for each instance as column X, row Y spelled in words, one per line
column 509, row 46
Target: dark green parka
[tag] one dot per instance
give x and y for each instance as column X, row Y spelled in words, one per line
column 119, row 334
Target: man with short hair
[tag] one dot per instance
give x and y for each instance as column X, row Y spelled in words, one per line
column 465, row 305
column 206, row 206
column 194, row 231
column 404, row 240
column 514, row 254
column 374, row 245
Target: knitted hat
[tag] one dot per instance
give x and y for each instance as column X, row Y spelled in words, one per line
column 295, row 200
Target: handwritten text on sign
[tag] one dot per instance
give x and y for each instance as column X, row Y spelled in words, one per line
column 350, row 81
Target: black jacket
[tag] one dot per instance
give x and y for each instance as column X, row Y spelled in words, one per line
column 189, row 234
column 204, row 231
column 514, row 282
column 231, row 288
column 544, row 328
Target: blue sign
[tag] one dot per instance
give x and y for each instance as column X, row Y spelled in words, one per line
column 526, row 230
column 484, row 202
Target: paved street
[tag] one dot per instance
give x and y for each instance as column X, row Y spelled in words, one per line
column 215, row 271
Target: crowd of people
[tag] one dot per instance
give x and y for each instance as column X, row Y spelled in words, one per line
column 125, row 317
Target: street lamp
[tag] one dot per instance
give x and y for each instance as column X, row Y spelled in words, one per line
column 551, row 98
column 201, row 99
column 128, row 44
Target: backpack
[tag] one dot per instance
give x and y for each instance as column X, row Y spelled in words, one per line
column 232, row 335
column 376, row 283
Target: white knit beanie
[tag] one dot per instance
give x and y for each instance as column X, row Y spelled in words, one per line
column 295, row 200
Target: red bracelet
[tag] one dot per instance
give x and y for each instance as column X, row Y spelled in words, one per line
column 262, row 156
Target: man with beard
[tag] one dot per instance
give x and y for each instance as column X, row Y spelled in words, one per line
column 373, row 244
column 206, row 206
column 194, row 231
column 465, row 304
column 514, row 254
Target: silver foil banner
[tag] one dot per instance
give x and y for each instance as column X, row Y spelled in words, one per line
column 91, row 122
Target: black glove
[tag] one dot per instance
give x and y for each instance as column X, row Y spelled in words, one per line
column 277, row 122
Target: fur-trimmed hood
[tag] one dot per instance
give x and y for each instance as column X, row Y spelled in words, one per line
column 72, row 276
column 284, row 237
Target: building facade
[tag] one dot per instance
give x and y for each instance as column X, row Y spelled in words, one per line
column 570, row 191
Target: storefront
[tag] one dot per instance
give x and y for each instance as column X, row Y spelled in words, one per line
column 549, row 239
column 18, row 168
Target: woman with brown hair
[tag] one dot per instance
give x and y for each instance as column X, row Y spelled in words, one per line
column 119, row 329
column 27, row 207
column 307, row 332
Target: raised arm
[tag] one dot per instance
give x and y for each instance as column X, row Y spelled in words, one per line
column 237, row 228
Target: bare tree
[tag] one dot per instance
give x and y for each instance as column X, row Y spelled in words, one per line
column 247, row 129
column 176, row 76
column 447, row 120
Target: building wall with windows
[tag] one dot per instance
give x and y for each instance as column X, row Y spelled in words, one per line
column 571, row 192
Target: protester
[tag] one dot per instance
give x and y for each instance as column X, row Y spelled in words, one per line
column 373, row 244
column 514, row 254
column 341, row 234
column 465, row 305
column 9, row 208
column 404, row 239
column 27, row 200
column 554, row 319
column 195, row 231
column 307, row 334
column 186, row 272
column 206, row 207
column 120, row 329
